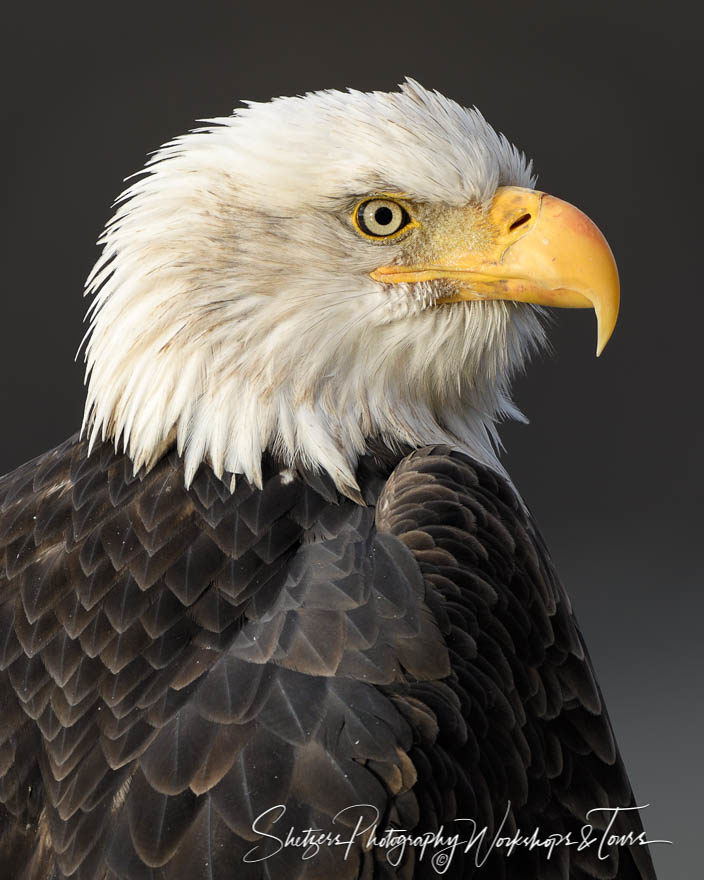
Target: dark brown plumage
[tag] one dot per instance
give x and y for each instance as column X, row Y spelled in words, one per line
column 176, row 662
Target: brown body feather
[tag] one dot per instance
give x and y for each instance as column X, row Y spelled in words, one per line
column 174, row 663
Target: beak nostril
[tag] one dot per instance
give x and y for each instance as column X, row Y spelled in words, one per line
column 524, row 218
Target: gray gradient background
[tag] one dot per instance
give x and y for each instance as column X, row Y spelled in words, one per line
column 608, row 103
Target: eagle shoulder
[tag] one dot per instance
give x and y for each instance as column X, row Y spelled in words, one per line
column 537, row 748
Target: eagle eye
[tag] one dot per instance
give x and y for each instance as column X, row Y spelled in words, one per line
column 381, row 218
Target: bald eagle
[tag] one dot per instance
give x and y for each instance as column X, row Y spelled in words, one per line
column 277, row 611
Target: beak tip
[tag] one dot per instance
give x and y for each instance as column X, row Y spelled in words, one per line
column 601, row 344
column 602, row 340
column 605, row 322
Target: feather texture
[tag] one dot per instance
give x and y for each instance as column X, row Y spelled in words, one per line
column 179, row 661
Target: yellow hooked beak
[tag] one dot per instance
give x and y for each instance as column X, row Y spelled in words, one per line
column 542, row 251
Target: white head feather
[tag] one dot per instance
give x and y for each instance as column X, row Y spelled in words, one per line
column 234, row 311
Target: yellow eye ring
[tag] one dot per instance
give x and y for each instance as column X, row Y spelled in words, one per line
column 380, row 218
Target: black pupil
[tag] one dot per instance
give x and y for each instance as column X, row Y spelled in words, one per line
column 383, row 216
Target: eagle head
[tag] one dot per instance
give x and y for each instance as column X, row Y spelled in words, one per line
column 315, row 273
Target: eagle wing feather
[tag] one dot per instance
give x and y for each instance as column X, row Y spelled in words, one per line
column 175, row 663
